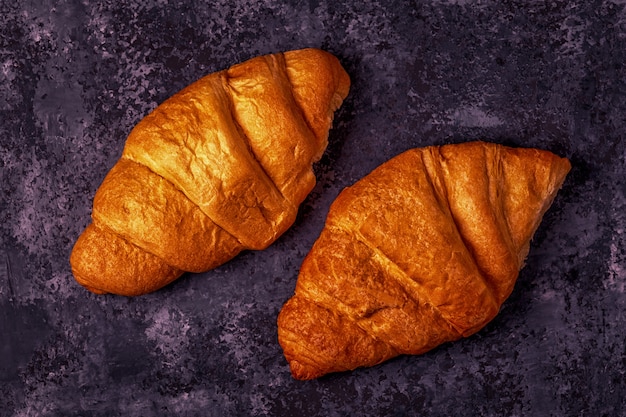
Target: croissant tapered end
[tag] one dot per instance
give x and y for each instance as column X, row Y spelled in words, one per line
column 311, row 67
column 219, row 167
column 422, row 251
column 104, row 263
column 343, row 347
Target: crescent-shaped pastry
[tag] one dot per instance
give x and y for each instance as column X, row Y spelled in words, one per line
column 422, row 251
column 219, row 167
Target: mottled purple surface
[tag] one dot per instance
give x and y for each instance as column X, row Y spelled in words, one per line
column 75, row 76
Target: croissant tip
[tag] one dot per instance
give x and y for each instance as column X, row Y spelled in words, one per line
column 302, row 372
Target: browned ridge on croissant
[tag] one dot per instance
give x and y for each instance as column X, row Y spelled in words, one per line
column 422, row 251
column 219, row 167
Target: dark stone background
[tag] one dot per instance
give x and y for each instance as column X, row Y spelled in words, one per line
column 75, row 76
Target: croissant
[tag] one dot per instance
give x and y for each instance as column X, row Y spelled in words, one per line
column 219, row 167
column 423, row 250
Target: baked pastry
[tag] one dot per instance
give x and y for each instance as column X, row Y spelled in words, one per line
column 219, row 167
column 422, row 251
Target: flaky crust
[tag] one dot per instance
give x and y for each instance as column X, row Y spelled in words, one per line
column 423, row 250
column 219, row 167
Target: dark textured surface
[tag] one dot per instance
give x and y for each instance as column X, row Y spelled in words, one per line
column 75, row 76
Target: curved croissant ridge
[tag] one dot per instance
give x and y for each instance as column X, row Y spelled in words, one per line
column 422, row 251
column 219, row 167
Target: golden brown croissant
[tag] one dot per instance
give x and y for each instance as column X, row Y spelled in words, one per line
column 423, row 250
column 219, row 167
